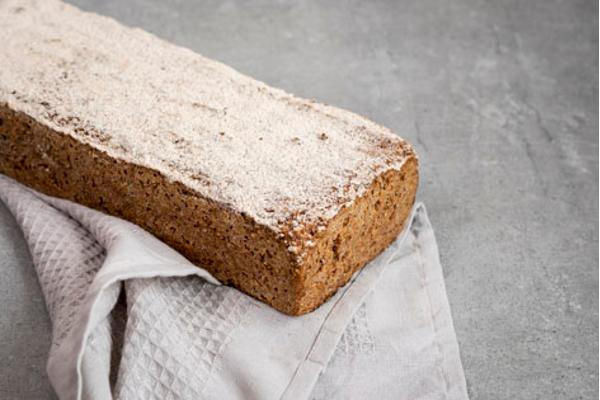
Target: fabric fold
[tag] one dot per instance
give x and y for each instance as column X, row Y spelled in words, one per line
column 185, row 336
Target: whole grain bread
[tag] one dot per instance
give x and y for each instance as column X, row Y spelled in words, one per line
column 281, row 197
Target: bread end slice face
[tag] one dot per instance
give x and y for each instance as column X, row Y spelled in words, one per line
column 356, row 235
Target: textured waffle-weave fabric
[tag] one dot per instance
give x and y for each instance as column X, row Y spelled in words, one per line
column 133, row 319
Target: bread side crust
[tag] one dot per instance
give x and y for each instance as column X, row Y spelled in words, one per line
column 233, row 247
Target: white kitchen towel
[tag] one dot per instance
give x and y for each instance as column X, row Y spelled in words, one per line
column 133, row 319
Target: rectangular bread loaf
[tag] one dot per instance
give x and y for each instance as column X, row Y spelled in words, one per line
column 281, row 197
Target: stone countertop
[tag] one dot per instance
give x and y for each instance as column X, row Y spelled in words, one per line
column 500, row 99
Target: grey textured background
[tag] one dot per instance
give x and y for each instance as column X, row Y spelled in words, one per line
column 500, row 98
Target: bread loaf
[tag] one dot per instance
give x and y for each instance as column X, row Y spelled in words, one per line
column 281, row 197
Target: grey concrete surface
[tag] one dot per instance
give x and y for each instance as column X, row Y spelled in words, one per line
column 500, row 99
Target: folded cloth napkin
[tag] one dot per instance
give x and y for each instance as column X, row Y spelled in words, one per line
column 133, row 319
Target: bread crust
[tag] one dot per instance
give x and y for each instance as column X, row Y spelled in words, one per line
column 282, row 197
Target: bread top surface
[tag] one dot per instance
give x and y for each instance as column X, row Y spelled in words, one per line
column 281, row 160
